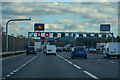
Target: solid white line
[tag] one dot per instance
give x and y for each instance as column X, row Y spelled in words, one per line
column 3, row 78
column 12, row 56
column 93, row 76
column 77, row 66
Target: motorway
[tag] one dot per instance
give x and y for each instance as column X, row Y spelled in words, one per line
column 60, row 66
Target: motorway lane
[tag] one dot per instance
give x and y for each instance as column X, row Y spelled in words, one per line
column 11, row 63
column 47, row 67
column 95, row 64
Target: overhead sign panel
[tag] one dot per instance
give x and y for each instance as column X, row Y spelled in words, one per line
column 105, row 27
column 38, row 26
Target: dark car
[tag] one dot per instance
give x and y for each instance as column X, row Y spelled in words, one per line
column 64, row 49
column 59, row 50
column 68, row 49
column 79, row 52
column 31, row 50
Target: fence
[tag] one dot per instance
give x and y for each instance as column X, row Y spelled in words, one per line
column 15, row 43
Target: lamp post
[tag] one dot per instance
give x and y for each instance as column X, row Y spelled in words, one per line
column 6, row 49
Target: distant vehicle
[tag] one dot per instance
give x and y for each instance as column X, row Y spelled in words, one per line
column 50, row 49
column 59, row 49
column 79, row 52
column 64, row 49
column 112, row 49
column 31, row 50
column 69, row 49
column 92, row 49
column 37, row 46
column 100, row 46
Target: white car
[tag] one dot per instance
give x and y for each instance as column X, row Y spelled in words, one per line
column 112, row 49
column 50, row 49
column 92, row 49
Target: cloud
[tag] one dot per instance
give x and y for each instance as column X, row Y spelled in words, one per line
column 77, row 16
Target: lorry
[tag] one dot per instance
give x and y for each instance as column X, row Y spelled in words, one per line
column 37, row 46
column 50, row 50
column 112, row 49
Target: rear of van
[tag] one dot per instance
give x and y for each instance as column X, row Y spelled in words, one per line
column 112, row 49
column 50, row 50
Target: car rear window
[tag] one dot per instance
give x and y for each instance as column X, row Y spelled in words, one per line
column 79, row 48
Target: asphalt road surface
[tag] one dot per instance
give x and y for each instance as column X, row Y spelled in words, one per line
column 59, row 66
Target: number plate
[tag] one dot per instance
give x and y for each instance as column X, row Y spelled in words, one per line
column 79, row 51
column 49, row 50
column 112, row 52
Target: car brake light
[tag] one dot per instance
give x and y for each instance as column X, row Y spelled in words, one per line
column 85, row 51
column 107, row 49
column 73, row 51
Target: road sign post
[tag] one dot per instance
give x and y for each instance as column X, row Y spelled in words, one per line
column 6, row 49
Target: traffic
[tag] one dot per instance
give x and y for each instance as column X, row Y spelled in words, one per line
column 108, row 50
column 60, row 39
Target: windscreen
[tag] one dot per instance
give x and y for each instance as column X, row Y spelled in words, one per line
column 79, row 48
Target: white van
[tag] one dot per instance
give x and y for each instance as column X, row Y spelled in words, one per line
column 112, row 49
column 50, row 49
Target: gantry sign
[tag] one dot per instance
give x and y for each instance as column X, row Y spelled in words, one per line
column 44, row 35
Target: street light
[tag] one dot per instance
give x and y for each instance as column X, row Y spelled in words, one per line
column 7, row 29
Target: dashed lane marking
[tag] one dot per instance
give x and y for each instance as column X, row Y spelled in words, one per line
column 112, row 62
column 16, row 70
column 93, row 76
column 77, row 66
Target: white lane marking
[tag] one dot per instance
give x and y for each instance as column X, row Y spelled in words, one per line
column 93, row 76
column 20, row 67
column 98, row 59
column 11, row 73
column 112, row 62
column 8, row 75
column 14, row 71
column 12, row 56
column 77, row 66
column 70, row 62
column 65, row 59
column 60, row 56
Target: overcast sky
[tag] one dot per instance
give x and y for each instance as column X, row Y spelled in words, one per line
column 60, row 16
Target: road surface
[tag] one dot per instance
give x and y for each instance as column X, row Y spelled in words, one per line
column 60, row 66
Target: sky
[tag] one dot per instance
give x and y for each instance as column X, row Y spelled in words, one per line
column 74, row 16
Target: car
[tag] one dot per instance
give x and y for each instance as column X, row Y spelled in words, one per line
column 59, row 50
column 31, row 50
column 79, row 51
column 68, row 49
column 112, row 50
column 64, row 49
column 92, row 49
column 50, row 50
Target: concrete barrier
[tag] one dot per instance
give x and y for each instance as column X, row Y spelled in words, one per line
column 6, row 54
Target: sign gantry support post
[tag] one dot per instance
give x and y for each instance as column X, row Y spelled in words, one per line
column 6, row 49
